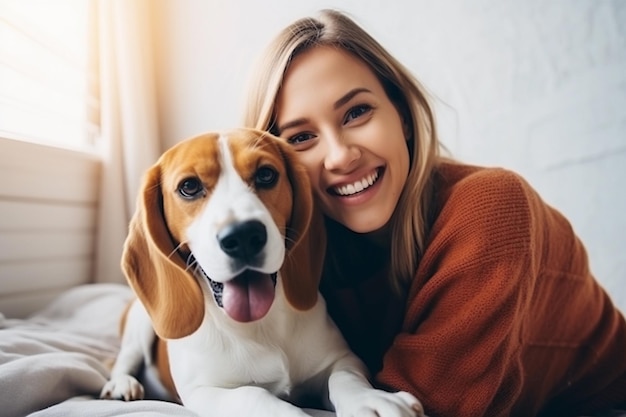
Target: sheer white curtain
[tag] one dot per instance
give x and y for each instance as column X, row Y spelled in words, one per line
column 128, row 119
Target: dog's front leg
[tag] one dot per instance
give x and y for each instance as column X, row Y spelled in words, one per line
column 243, row 401
column 137, row 338
column 352, row 395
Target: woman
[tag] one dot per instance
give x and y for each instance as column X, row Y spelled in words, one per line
column 453, row 282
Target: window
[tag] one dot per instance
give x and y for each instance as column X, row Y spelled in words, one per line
column 48, row 72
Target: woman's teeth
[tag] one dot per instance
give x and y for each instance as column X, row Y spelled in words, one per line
column 357, row 186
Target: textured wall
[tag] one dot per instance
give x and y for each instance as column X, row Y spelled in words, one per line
column 535, row 86
column 540, row 87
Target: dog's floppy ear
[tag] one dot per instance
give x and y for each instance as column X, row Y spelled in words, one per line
column 156, row 271
column 305, row 238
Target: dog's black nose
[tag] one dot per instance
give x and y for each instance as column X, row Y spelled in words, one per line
column 243, row 241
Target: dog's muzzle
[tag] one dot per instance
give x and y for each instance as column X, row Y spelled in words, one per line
column 249, row 295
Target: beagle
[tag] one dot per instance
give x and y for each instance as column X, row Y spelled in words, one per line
column 224, row 253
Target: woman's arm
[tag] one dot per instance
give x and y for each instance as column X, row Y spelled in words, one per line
column 462, row 347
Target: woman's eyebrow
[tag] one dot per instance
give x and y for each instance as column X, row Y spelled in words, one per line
column 342, row 101
column 293, row 123
column 349, row 96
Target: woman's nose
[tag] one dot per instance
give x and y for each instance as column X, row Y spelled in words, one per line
column 340, row 154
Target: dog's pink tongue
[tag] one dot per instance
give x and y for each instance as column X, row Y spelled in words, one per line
column 248, row 296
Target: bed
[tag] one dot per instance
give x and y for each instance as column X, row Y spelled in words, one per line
column 55, row 362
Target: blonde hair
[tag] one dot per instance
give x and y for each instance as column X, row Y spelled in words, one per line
column 409, row 224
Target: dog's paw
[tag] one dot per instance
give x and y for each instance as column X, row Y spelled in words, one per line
column 122, row 387
column 382, row 404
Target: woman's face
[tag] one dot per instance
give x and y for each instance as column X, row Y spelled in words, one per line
column 348, row 134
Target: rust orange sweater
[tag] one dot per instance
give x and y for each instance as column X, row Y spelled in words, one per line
column 503, row 317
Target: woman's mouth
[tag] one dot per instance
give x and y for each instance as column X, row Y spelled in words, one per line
column 358, row 186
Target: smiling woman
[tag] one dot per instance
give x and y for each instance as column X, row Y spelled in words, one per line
column 464, row 266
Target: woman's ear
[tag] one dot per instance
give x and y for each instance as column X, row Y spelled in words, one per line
column 156, row 271
column 305, row 240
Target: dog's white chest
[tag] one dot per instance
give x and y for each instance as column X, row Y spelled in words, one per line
column 221, row 360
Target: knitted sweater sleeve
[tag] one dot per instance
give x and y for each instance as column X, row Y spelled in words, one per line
column 458, row 350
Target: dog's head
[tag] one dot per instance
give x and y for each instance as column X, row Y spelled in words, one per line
column 231, row 208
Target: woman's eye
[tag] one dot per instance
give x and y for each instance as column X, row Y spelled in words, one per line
column 265, row 177
column 191, row 188
column 299, row 138
column 356, row 112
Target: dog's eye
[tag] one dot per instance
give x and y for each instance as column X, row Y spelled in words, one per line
column 191, row 188
column 265, row 177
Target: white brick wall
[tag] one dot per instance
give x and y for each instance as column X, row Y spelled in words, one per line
column 535, row 86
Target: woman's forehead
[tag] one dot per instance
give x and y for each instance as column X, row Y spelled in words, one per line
column 323, row 74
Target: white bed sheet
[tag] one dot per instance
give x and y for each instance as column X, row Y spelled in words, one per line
column 61, row 351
